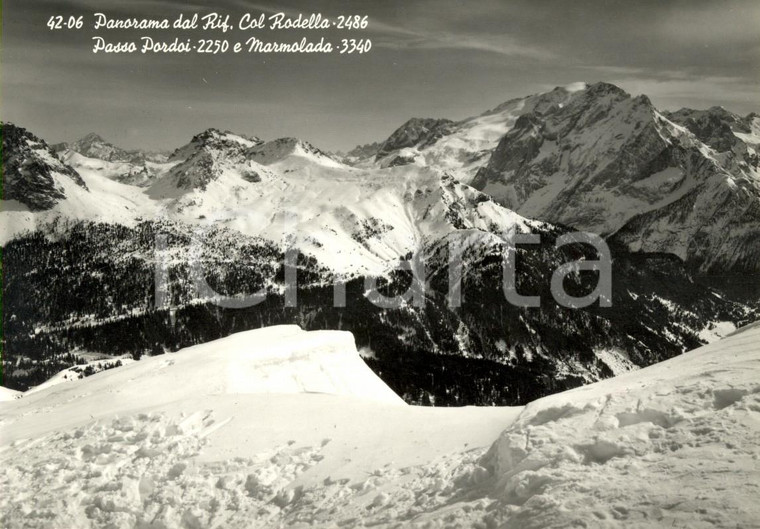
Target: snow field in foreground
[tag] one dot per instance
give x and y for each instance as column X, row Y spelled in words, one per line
column 672, row 445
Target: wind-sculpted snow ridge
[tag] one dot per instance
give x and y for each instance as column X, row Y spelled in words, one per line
column 278, row 359
column 140, row 173
column 672, row 445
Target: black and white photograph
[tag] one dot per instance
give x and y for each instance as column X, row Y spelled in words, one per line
column 340, row 264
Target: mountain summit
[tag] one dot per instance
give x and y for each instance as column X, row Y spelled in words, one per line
column 32, row 173
column 609, row 163
column 595, row 158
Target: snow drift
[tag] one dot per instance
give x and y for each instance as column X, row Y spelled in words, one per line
column 280, row 359
column 197, row 444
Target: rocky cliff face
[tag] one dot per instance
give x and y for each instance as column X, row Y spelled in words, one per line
column 362, row 152
column 459, row 148
column 207, row 156
column 92, row 289
column 717, row 127
column 606, row 162
column 32, row 173
column 735, row 139
column 562, row 162
column 417, row 132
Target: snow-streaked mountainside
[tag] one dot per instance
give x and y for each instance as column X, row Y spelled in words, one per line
column 590, row 157
column 94, row 146
column 33, row 177
column 608, row 163
column 722, row 130
column 287, row 190
column 311, row 438
column 41, row 188
column 459, row 148
column 594, row 158
column 129, row 167
column 353, row 220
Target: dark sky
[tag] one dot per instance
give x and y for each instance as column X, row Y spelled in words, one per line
column 429, row 59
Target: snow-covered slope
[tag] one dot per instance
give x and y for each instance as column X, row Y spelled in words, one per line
column 352, row 220
column 594, row 158
column 140, row 173
column 674, row 444
column 8, row 394
column 41, row 190
column 97, row 199
column 290, row 149
column 280, row 359
column 257, row 197
column 92, row 152
column 80, row 371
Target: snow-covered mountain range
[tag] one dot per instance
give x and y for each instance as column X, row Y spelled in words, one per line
column 597, row 159
column 612, row 164
column 590, row 157
column 351, row 219
column 130, row 167
column 677, row 196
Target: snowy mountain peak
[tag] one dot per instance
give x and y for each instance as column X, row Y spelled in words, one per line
column 362, row 152
column 717, row 127
column 606, row 162
column 464, row 147
column 214, row 139
column 33, row 175
column 415, row 132
column 602, row 88
column 94, row 146
column 212, row 136
column 280, row 149
column 92, row 137
column 553, row 148
column 208, row 155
